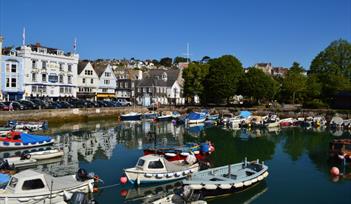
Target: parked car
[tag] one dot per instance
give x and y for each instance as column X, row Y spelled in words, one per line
column 90, row 104
column 5, row 107
column 13, row 105
column 54, row 105
column 28, row 104
column 65, row 104
column 77, row 103
column 124, row 102
column 102, row 104
column 40, row 103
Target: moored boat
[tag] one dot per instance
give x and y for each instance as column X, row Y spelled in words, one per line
column 155, row 168
column 150, row 115
column 20, row 140
column 27, row 125
column 165, row 116
column 131, row 116
column 31, row 186
column 196, row 117
column 227, row 179
column 340, row 149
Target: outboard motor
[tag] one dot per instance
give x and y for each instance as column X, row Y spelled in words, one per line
column 25, row 156
column 4, row 165
column 82, row 175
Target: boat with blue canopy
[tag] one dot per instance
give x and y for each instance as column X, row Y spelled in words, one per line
column 196, row 117
column 20, row 140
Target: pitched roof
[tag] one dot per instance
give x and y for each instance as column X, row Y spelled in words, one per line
column 99, row 68
column 154, row 78
column 82, row 65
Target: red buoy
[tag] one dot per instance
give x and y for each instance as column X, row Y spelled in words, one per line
column 123, row 179
column 334, row 171
column 123, row 193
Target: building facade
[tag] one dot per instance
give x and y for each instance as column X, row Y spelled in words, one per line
column 160, row 86
column 126, row 80
column 107, row 82
column 49, row 72
column 12, row 77
column 265, row 67
column 88, row 81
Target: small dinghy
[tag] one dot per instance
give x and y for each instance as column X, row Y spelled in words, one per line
column 131, row 116
column 155, row 168
column 150, row 115
column 196, row 117
column 200, row 151
column 31, row 186
column 32, row 126
column 165, row 116
column 20, row 140
column 227, row 179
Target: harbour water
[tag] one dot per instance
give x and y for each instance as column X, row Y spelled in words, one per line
column 297, row 159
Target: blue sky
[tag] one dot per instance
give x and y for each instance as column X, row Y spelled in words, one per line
column 274, row 31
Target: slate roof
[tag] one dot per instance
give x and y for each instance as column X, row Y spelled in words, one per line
column 99, row 68
column 154, row 78
column 82, row 65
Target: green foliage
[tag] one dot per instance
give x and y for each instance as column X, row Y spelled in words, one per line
column 255, row 83
column 314, row 103
column 335, row 59
column 166, row 61
column 194, row 77
column 222, row 80
column 180, row 59
column 294, row 84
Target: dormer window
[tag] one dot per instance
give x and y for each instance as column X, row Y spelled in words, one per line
column 42, row 50
column 164, row 76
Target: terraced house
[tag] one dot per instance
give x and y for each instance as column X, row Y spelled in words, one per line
column 88, row 81
column 107, row 81
column 48, row 72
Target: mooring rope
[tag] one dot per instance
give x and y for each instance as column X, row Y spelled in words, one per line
column 109, row 186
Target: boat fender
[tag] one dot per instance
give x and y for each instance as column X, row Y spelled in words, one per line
column 247, row 183
column 23, row 199
column 260, row 178
column 225, row 186
column 178, row 174
column 254, row 180
column 186, row 172
column 238, row 185
column 196, row 186
column 170, row 174
column 159, row 175
column 210, row 186
column 196, row 152
column 265, row 174
column 148, row 175
column 82, row 175
column 190, row 159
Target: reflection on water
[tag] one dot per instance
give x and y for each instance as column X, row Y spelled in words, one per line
column 296, row 157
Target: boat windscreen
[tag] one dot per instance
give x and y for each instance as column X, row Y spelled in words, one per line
column 141, row 162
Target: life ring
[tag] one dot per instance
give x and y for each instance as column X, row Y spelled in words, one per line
column 9, row 135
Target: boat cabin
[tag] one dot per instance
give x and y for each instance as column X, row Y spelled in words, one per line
column 28, row 182
column 151, row 163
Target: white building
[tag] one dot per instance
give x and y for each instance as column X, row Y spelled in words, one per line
column 88, row 81
column 107, row 81
column 49, row 72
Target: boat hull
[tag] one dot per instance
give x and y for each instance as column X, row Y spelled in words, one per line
column 10, row 145
column 141, row 177
column 196, row 121
column 130, row 117
column 164, row 118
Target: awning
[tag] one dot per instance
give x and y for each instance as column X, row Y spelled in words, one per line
column 105, row 95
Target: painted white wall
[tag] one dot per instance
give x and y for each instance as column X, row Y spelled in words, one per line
column 112, row 81
column 53, row 67
column 88, row 79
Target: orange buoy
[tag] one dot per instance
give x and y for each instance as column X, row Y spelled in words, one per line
column 123, row 179
column 123, row 193
column 334, row 171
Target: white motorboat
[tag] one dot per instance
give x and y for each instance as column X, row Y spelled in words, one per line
column 155, row 168
column 31, row 186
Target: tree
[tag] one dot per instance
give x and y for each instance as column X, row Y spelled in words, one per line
column 194, row 76
column 155, row 62
column 180, row 59
column 166, row 61
column 258, row 85
column 294, row 84
column 335, row 59
column 205, row 59
column 222, row 80
column 332, row 66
